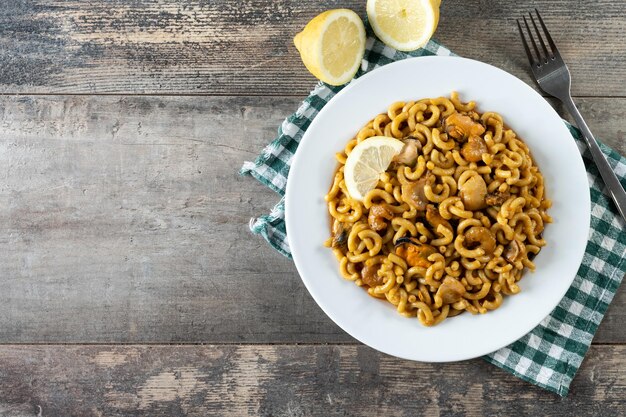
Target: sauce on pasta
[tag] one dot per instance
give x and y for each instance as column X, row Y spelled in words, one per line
column 453, row 222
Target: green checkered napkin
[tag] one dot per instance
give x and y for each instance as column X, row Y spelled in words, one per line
column 550, row 354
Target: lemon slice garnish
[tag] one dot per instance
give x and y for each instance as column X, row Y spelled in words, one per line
column 367, row 161
column 404, row 25
column 332, row 45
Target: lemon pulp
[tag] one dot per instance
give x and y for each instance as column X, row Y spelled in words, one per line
column 332, row 45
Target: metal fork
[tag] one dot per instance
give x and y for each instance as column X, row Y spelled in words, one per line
column 554, row 78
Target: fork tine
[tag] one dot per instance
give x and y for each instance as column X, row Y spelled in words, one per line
column 530, row 35
column 548, row 37
column 543, row 45
column 531, row 58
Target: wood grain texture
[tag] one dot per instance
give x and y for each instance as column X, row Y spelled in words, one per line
column 245, row 47
column 290, row 381
column 123, row 219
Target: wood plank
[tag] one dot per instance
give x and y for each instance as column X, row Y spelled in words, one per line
column 611, row 328
column 287, row 381
column 123, row 219
column 225, row 47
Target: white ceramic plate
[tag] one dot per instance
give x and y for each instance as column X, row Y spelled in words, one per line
column 376, row 323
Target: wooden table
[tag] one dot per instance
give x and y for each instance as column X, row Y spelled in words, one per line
column 130, row 284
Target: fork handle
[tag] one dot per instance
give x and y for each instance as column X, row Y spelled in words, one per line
column 610, row 179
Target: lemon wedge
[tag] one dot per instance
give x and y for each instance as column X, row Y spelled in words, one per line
column 367, row 161
column 332, row 45
column 404, row 25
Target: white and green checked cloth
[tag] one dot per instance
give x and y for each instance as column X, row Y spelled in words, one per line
column 550, row 354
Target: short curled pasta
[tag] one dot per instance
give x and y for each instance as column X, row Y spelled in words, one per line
column 450, row 229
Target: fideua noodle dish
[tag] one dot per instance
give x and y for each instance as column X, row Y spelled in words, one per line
column 437, row 209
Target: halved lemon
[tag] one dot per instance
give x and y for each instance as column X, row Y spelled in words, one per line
column 404, row 25
column 332, row 45
column 367, row 161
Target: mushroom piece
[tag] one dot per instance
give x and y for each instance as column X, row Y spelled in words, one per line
column 408, row 154
column 434, row 218
column 413, row 192
column 497, row 198
column 369, row 275
column 377, row 216
column 474, row 149
column 473, row 115
column 473, row 193
column 513, row 251
column 340, row 235
column 461, row 127
column 414, row 252
column 450, row 291
column 478, row 236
